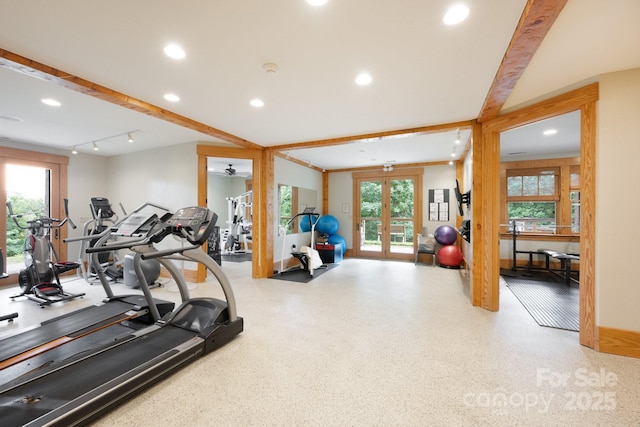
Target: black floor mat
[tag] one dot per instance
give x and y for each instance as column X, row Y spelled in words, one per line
column 550, row 302
column 237, row 257
column 302, row 276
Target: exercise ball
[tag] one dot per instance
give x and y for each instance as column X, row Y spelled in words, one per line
column 327, row 224
column 445, row 235
column 335, row 239
column 450, row 256
column 304, row 224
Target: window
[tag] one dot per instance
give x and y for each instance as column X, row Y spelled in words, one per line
column 542, row 196
column 531, row 199
column 574, row 195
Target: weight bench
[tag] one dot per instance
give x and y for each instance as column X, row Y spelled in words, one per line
column 565, row 262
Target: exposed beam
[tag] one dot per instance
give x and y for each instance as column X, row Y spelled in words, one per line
column 377, row 135
column 536, row 20
column 26, row 66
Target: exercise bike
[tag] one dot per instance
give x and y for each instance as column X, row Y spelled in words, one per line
column 40, row 280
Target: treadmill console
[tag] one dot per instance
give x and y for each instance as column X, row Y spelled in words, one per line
column 101, row 208
column 194, row 223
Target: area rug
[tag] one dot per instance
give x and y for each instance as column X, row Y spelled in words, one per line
column 237, row 257
column 550, row 303
column 303, row 276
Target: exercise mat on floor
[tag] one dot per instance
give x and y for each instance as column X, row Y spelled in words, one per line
column 549, row 302
column 302, row 276
column 238, row 257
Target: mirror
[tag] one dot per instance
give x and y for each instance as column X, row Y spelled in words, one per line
column 293, row 200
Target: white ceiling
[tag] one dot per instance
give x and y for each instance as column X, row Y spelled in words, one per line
column 424, row 73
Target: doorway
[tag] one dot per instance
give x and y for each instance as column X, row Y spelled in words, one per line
column 388, row 212
column 35, row 184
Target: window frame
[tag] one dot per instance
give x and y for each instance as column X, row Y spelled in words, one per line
column 562, row 168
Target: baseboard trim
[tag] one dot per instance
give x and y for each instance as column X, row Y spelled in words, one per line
column 189, row 275
column 619, row 341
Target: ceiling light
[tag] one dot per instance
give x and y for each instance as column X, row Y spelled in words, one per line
column 129, row 138
column 51, row 102
column 550, row 132
column 270, row 68
column 74, row 150
column 453, row 154
column 458, row 137
column 450, row 162
column 174, row 51
column 95, row 147
column 363, row 79
column 171, row 97
column 317, row 2
column 11, row 118
column 456, row 14
column 257, row 103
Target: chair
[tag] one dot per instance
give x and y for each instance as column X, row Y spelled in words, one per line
column 426, row 245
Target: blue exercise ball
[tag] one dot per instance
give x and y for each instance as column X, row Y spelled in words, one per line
column 445, row 235
column 335, row 239
column 327, row 224
column 304, row 224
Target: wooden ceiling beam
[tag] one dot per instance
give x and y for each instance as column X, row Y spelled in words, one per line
column 377, row 135
column 26, row 66
column 536, row 20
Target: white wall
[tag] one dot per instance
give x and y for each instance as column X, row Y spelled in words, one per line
column 165, row 176
column 617, row 175
column 437, row 178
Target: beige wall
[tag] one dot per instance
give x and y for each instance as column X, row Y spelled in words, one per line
column 618, row 204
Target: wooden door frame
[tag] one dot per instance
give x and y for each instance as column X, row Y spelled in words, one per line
column 486, row 197
column 58, row 190
column 259, row 230
column 399, row 173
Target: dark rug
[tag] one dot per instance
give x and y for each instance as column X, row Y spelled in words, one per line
column 238, row 257
column 303, row 276
column 548, row 300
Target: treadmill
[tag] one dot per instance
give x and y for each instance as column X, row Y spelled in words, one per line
column 87, row 385
column 42, row 346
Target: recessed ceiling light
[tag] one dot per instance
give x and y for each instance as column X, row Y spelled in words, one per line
column 51, row 102
column 363, row 79
column 11, row 118
column 174, row 51
column 317, row 2
column 456, row 14
column 550, row 132
column 257, row 103
column 171, row 97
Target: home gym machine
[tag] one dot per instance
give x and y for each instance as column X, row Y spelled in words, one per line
column 86, row 384
column 103, row 216
column 238, row 226
column 40, row 280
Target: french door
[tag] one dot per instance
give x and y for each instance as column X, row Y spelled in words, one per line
column 388, row 210
column 35, row 184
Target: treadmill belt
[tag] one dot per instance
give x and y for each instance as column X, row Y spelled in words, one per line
column 97, row 374
column 63, row 326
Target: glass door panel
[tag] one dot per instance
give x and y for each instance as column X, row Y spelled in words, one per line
column 371, row 225
column 28, row 190
column 401, row 213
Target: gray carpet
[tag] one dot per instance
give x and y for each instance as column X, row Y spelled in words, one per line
column 550, row 303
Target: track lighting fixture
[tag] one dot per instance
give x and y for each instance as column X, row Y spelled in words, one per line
column 458, row 137
column 387, row 168
column 94, row 143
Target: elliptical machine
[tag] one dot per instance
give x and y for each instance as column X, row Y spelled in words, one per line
column 40, row 280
